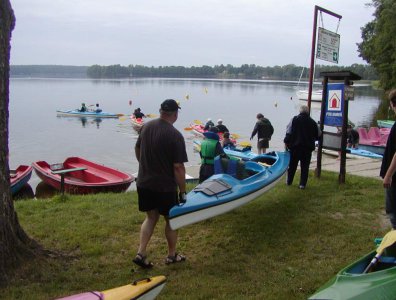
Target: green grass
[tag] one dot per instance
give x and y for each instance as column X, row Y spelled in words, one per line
column 283, row 245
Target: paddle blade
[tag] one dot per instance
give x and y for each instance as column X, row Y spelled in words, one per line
column 198, row 122
column 235, row 136
column 388, row 240
column 151, row 116
column 122, row 119
column 245, row 144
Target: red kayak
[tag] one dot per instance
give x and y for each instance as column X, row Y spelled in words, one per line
column 137, row 122
column 82, row 176
column 199, row 130
column 19, row 177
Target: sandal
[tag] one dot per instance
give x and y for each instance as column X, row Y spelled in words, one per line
column 174, row 259
column 141, row 261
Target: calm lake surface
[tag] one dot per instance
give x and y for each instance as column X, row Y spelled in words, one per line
column 36, row 133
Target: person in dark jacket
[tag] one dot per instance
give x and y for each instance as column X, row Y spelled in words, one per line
column 83, row 108
column 352, row 137
column 388, row 168
column 138, row 114
column 264, row 131
column 301, row 134
column 208, row 124
column 221, row 127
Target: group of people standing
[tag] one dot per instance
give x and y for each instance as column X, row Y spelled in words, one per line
column 161, row 152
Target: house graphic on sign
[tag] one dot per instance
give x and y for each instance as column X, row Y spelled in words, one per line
column 334, row 102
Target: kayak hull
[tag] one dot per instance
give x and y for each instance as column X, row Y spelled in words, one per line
column 137, row 123
column 364, row 153
column 385, row 123
column 231, row 191
column 351, row 283
column 147, row 289
column 77, row 113
column 315, row 95
column 19, row 177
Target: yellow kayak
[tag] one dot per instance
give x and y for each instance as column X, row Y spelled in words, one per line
column 147, row 288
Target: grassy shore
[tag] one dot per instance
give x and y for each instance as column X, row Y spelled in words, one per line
column 283, row 245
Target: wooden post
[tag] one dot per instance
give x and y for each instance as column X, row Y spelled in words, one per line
column 341, row 177
column 318, row 169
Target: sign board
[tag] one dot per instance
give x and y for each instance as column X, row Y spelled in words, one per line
column 334, row 109
column 328, row 45
column 331, row 140
column 349, row 93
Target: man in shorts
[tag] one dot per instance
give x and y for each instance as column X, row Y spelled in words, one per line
column 264, row 130
column 161, row 152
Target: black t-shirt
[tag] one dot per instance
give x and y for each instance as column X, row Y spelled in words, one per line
column 161, row 145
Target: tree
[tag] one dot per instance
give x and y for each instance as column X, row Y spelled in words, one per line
column 15, row 245
column 378, row 46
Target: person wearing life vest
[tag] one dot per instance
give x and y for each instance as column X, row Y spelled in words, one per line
column 210, row 148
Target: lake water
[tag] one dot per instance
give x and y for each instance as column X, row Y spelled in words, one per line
column 36, row 133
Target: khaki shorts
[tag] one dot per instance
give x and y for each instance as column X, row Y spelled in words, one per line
column 263, row 143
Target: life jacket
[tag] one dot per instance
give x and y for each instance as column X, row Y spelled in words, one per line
column 208, row 151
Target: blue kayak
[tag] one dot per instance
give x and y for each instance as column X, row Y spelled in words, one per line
column 235, row 183
column 242, row 153
column 77, row 113
column 362, row 152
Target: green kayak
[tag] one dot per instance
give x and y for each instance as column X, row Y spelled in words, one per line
column 371, row 277
column 385, row 123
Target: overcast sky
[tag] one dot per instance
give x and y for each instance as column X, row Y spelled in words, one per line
column 179, row 32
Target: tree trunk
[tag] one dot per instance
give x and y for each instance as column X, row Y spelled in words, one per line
column 15, row 245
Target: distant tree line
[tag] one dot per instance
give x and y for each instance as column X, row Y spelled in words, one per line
column 287, row 72
column 245, row 71
column 49, row 71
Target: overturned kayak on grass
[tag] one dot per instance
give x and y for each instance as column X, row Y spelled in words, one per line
column 234, row 184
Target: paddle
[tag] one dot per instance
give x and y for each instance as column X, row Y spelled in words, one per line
column 188, row 128
column 235, row 136
column 388, row 240
column 198, row 122
column 151, row 116
column 245, row 144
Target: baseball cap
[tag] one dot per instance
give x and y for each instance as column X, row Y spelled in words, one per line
column 170, row 105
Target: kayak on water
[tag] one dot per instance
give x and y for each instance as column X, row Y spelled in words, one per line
column 77, row 113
